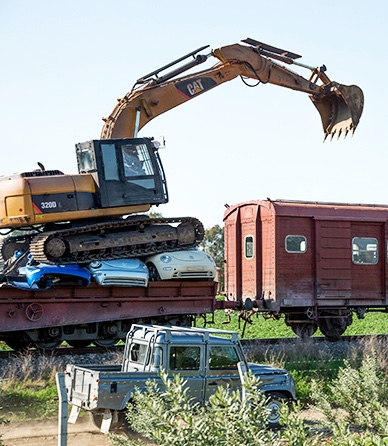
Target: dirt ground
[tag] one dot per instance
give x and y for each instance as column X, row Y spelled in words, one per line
column 45, row 433
column 83, row 433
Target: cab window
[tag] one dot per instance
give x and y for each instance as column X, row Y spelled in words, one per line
column 138, row 353
column 223, row 357
column 110, row 163
column 136, row 160
column 184, row 358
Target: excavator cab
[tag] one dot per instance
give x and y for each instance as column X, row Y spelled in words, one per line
column 127, row 171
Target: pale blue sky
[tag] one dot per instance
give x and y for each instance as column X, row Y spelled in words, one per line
column 64, row 63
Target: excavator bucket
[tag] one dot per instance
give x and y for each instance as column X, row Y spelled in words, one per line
column 340, row 108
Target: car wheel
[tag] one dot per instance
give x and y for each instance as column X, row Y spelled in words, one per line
column 116, row 426
column 153, row 272
column 274, row 403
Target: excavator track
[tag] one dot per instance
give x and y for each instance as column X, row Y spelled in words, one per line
column 135, row 236
column 8, row 246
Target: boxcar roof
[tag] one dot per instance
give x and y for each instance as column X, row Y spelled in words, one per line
column 315, row 209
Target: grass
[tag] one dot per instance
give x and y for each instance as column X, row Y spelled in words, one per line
column 28, row 387
column 373, row 323
column 26, row 400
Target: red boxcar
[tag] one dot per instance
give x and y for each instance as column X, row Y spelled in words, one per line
column 317, row 263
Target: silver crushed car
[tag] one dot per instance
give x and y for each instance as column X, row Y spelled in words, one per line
column 119, row 272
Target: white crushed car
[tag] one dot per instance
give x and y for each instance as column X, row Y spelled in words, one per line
column 119, row 272
column 189, row 264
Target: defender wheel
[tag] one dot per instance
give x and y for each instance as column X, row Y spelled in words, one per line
column 274, row 403
column 115, row 427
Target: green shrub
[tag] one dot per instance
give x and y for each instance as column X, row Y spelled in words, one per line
column 170, row 418
column 357, row 397
column 353, row 405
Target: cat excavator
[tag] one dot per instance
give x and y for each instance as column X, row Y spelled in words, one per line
column 98, row 214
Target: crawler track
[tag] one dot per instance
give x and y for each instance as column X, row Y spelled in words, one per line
column 131, row 237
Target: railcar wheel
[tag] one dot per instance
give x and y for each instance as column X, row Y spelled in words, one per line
column 48, row 345
column 79, row 343
column 333, row 327
column 105, row 343
column 18, row 344
column 304, row 330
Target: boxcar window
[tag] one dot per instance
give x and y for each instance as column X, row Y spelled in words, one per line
column 249, row 249
column 296, row 243
column 365, row 250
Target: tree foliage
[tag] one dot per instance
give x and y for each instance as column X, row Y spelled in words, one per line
column 213, row 244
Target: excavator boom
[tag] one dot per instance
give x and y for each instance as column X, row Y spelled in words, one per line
column 339, row 106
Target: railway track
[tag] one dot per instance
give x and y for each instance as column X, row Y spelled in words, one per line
column 248, row 343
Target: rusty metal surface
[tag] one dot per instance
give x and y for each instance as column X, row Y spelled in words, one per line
column 25, row 310
column 324, row 276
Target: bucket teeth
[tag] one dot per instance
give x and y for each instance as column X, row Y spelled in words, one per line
column 340, row 107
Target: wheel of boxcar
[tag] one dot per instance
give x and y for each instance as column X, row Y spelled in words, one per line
column 48, row 345
column 18, row 344
column 333, row 327
column 105, row 343
column 79, row 343
column 304, row 330
column 275, row 402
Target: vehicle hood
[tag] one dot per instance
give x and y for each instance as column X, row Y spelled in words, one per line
column 262, row 369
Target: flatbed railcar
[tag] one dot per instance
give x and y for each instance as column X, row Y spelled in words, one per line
column 95, row 314
column 317, row 264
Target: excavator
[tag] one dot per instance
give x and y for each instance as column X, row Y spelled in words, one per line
column 99, row 213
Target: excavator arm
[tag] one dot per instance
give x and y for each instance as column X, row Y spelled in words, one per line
column 339, row 106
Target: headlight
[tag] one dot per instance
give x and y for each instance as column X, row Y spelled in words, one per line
column 165, row 258
column 95, row 264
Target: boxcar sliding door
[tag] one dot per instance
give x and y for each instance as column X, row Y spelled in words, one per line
column 368, row 261
column 333, row 260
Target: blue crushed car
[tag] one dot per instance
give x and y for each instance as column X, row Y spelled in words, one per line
column 43, row 276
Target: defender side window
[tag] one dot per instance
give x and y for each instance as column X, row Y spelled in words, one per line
column 138, row 353
column 184, row 358
column 223, row 358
